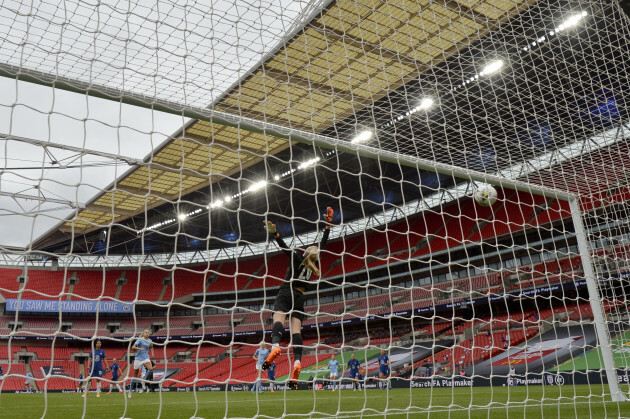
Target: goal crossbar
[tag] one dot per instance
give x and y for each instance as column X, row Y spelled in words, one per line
column 266, row 128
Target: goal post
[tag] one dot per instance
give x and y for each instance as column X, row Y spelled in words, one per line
column 595, row 300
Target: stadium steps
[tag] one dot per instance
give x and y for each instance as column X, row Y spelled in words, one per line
column 343, row 259
column 426, row 241
column 118, row 290
column 123, row 371
column 33, row 381
column 70, row 286
column 212, row 278
column 164, row 288
column 473, row 330
column 348, row 308
column 248, row 283
column 407, row 338
column 479, row 226
column 539, row 209
column 255, row 275
column 120, row 285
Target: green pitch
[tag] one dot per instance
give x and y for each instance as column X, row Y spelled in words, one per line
column 592, row 360
column 321, row 369
column 481, row 402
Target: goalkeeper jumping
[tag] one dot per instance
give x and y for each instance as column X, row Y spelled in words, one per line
column 290, row 299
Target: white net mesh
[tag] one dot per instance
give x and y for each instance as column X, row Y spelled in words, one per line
column 144, row 144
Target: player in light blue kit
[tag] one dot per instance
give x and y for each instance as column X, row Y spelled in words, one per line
column 115, row 369
column 27, row 384
column 353, row 365
column 141, row 346
column 260, row 356
column 333, row 365
column 383, row 372
column 95, row 369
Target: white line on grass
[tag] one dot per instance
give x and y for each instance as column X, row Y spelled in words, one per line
column 497, row 405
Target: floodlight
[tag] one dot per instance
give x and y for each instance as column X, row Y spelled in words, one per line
column 492, row 67
column 309, row 163
column 258, row 185
column 571, row 21
column 362, row 137
column 426, row 103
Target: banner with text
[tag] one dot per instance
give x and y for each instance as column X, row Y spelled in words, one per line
column 54, row 306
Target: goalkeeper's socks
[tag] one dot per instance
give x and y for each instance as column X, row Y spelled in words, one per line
column 132, row 386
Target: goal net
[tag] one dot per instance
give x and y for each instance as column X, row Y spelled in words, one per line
column 459, row 166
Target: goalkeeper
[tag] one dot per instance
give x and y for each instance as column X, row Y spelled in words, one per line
column 290, row 298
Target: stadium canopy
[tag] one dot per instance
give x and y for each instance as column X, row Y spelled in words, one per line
column 341, row 70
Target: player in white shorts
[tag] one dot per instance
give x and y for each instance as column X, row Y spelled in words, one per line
column 333, row 364
column 260, row 356
column 141, row 346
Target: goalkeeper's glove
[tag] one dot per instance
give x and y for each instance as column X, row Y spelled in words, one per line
column 329, row 214
column 271, row 227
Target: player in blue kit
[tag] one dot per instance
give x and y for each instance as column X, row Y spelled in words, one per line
column 383, row 372
column 260, row 356
column 353, row 366
column 361, row 377
column 333, row 365
column 115, row 369
column 80, row 389
column 271, row 374
column 95, row 369
column 141, row 346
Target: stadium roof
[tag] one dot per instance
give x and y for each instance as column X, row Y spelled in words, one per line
column 366, row 65
column 343, row 60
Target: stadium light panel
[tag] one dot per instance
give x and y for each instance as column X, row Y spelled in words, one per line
column 257, row 186
column 182, row 217
column 309, row 163
column 227, row 199
column 492, row 67
column 571, row 21
column 426, row 103
column 362, row 137
column 276, row 177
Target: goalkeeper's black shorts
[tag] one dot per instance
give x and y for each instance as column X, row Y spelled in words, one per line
column 290, row 301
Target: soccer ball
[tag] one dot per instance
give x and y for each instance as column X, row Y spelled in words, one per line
column 485, row 195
